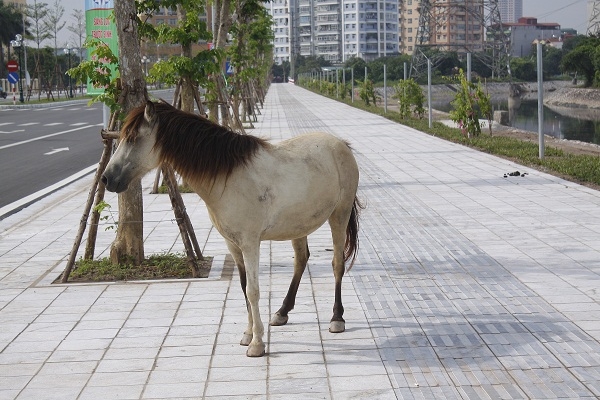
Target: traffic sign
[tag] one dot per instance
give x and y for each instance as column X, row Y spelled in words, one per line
column 229, row 70
column 13, row 77
column 12, row 66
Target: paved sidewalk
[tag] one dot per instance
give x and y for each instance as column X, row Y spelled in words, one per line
column 467, row 285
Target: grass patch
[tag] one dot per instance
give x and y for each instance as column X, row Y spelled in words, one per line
column 580, row 168
column 183, row 188
column 160, row 266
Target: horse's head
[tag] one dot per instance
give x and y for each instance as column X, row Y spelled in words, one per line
column 136, row 154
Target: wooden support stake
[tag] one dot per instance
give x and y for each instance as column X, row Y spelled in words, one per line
column 179, row 211
column 84, row 217
column 90, row 245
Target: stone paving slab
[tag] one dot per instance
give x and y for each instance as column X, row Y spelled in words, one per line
column 467, row 285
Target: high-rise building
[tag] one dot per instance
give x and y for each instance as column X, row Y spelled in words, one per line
column 282, row 26
column 370, row 29
column 409, row 25
column 510, row 10
column 336, row 30
column 447, row 25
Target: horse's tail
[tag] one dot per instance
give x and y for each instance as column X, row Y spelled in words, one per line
column 351, row 245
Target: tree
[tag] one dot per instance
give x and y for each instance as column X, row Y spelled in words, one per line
column 129, row 242
column 552, row 58
column 223, row 19
column 582, row 59
column 53, row 24
column 278, row 72
column 358, row 64
column 395, row 66
column 12, row 23
column 37, row 13
column 78, row 29
column 523, row 69
column 250, row 53
column 410, row 98
column 310, row 64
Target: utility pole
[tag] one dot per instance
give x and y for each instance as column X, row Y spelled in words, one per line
column 492, row 50
column 594, row 19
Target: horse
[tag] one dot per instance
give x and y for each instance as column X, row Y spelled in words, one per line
column 254, row 190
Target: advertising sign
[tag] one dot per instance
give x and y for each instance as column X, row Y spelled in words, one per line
column 100, row 25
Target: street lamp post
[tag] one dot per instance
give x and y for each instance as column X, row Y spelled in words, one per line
column 68, row 52
column 17, row 44
column 145, row 61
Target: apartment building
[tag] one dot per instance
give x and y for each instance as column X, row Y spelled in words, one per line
column 409, row 25
column 336, row 30
column 448, row 25
column 370, row 29
column 458, row 25
column 280, row 10
column 510, row 10
column 526, row 30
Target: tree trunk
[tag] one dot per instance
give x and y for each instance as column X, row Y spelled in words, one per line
column 129, row 242
column 222, row 25
column 187, row 84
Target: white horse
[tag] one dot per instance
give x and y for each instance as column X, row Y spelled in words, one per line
column 254, row 191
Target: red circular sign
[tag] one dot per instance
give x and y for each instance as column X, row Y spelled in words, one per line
column 12, row 66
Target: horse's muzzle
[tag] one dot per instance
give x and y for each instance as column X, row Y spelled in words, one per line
column 113, row 185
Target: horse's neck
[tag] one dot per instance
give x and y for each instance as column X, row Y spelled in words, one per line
column 210, row 192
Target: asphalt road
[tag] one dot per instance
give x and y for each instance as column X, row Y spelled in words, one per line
column 42, row 146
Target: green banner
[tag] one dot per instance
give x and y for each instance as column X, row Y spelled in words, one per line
column 100, row 25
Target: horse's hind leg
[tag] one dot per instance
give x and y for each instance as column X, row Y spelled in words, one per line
column 236, row 253
column 301, row 253
column 338, row 223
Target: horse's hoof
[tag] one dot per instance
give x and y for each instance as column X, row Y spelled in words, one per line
column 278, row 320
column 246, row 339
column 256, row 350
column 337, row 326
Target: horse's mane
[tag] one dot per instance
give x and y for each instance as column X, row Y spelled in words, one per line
column 197, row 148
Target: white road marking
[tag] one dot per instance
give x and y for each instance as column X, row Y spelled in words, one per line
column 54, row 151
column 44, row 137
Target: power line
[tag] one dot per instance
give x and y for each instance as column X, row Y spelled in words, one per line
column 561, row 8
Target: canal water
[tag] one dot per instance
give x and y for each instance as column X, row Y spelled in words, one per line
column 524, row 115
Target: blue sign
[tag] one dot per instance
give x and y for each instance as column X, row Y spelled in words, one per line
column 229, row 68
column 13, row 77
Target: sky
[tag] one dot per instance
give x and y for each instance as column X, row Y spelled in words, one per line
column 568, row 13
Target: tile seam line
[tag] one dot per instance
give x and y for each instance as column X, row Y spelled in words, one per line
column 216, row 339
column 519, row 321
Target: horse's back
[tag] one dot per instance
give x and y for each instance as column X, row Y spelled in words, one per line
column 310, row 175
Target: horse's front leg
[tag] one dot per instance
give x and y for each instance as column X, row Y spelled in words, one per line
column 256, row 348
column 238, row 257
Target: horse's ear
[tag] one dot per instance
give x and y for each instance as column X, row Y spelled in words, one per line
column 149, row 112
